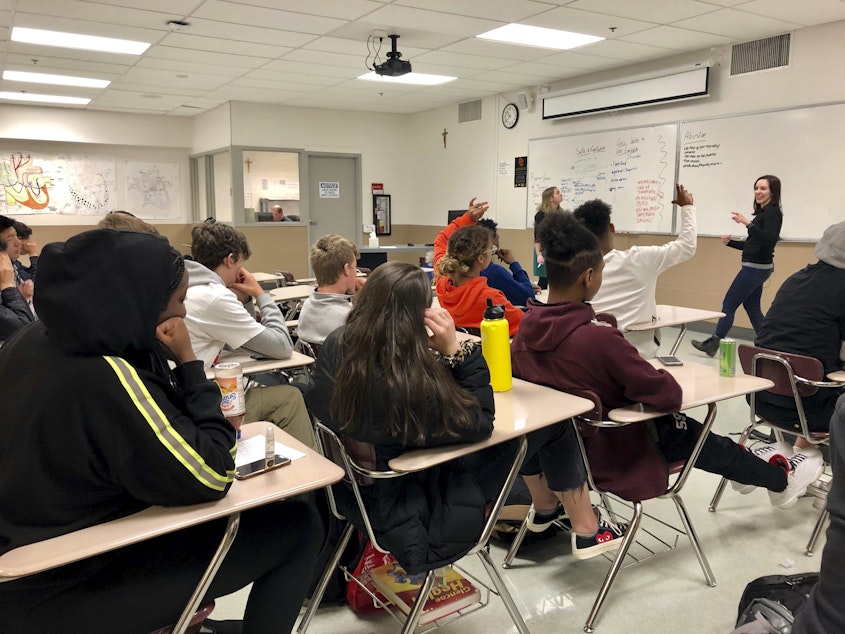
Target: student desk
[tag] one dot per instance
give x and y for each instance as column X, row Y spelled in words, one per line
column 302, row 475
column 675, row 316
column 701, row 385
column 372, row 257
column 267, row 277
column 290, row 293
column 255, row 366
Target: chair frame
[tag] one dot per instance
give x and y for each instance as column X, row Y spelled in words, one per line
column 333, row 447
column 799, row 387
column 594, row 419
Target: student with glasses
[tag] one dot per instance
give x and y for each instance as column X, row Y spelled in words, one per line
column 461, row 252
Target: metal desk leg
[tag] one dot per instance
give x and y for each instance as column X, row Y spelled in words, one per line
column 679, row 339
column 208, row 575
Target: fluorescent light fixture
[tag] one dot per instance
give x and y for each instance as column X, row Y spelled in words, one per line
column 29, row 96
column 421, row 79
column 539, row 36
column 58, row 80
column 75, row 40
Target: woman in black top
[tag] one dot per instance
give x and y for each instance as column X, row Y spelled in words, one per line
column 550, row 201
column 757, row 260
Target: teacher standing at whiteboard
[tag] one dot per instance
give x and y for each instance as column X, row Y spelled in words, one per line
column 757, row 260
column 550, row 201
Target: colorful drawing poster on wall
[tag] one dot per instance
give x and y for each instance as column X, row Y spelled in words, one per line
column 81, row 185
column 152, row 190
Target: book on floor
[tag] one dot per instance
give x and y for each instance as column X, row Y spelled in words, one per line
column 450, row 593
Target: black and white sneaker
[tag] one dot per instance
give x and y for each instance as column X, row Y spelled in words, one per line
column 805, row 467
column 607, row 537
column 543, row 520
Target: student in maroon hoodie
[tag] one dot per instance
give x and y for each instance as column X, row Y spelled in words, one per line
column 565, row 345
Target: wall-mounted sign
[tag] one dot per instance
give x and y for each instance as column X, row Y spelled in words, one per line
column 329, row 190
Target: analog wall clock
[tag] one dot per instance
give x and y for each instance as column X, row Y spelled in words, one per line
column 510, row 115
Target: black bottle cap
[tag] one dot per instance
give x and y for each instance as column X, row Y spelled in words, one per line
column 494, row 312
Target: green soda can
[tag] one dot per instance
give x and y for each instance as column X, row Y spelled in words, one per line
column 727, row 357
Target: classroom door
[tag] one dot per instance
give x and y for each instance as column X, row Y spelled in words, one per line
column 334, row 196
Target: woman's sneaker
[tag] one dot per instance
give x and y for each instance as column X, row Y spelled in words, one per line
column 805, row 467
column 766, row 452
column 608, row 537
column 544, row 520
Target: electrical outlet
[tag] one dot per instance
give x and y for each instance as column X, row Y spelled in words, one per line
column 369, row 228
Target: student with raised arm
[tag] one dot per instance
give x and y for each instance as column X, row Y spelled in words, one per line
column 758, row 252
column 461, row 252
column 630, row 277
column 565, row 345
column 101, row 428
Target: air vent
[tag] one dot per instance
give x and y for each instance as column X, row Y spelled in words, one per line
column 469, row 111
column 750, row 57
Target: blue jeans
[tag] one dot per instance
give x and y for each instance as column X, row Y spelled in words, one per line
column 746, row 289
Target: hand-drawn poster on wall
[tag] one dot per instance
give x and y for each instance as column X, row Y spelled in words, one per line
column 61, row 185
column 632, row 170
column 152, row 189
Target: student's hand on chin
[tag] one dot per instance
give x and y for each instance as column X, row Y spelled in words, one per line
column 174, row 335
column 443, row 338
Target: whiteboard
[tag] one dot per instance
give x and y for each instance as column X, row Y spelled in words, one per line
column 632, row 170
column 721, row 158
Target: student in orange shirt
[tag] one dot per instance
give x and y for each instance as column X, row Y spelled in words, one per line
column 461, row 251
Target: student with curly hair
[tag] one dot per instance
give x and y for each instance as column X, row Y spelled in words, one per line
column 461, row 252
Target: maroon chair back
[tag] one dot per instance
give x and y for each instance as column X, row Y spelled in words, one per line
column 623, row 460
column 803, row 366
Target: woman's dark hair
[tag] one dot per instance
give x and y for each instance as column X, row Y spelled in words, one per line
column 465, row 246
column 774, row 188
column 568, row 247
column 384, row 341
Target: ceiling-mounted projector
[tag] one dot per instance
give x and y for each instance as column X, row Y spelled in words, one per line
column 394, row 66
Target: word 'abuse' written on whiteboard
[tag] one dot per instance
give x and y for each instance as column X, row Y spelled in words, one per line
column 631, row 170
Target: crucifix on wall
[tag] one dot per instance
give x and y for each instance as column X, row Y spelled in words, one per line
column 443, row 134
column 248, row 162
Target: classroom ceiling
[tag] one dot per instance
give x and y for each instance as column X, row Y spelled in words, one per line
column 308, row 53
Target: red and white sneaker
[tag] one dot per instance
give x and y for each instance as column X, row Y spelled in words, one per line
column 608, row 537
column 805, row 467
column 765, row 452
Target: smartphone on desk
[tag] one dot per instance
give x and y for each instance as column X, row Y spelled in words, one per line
column 669, row 360
column 261, row 466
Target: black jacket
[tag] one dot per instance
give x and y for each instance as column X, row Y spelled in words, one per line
column 92, row 428
column 14, row 312
column 426, row 519
column 763, row 235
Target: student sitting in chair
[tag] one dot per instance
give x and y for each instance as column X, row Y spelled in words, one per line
column 14, row 310
column 461, row 252
column 807, row 317
column 630, row 276
column 333, row 259
column 516, row 285
column 217, row 318
column 101, row 428
column 383, row 380
column 564, row 344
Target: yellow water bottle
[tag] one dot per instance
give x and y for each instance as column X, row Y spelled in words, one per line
column 496, row 346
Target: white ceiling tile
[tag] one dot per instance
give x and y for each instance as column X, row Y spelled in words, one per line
column 336, row 60
column 158, row 89
column 23, row 61
column 182, row 66
column 291, row 66
column 344, row 9
column 511, row 11
column 677, row 39
column 409, row 37
column 208, row 58
column 735, row 24
column 627, row 51
column 573, row 59
column 804, row 13
column 264, row 17
column 313, row 79
column 242, row 33
column 40, row 53
column 170, row 78
column 139, row 100
column 658, row 11
column 545, row 71
column 488, row 48
column 466, row 61
column 577, row 21
column 434, row 21
column 125, row 16
column 182, row 7
column 183, row 40
column 263, row 84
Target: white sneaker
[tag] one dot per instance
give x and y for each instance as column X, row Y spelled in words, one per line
column 765, row 452
column 805, row 467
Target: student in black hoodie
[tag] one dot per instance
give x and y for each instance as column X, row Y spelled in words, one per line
column 100, row 428
column 758, row 252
